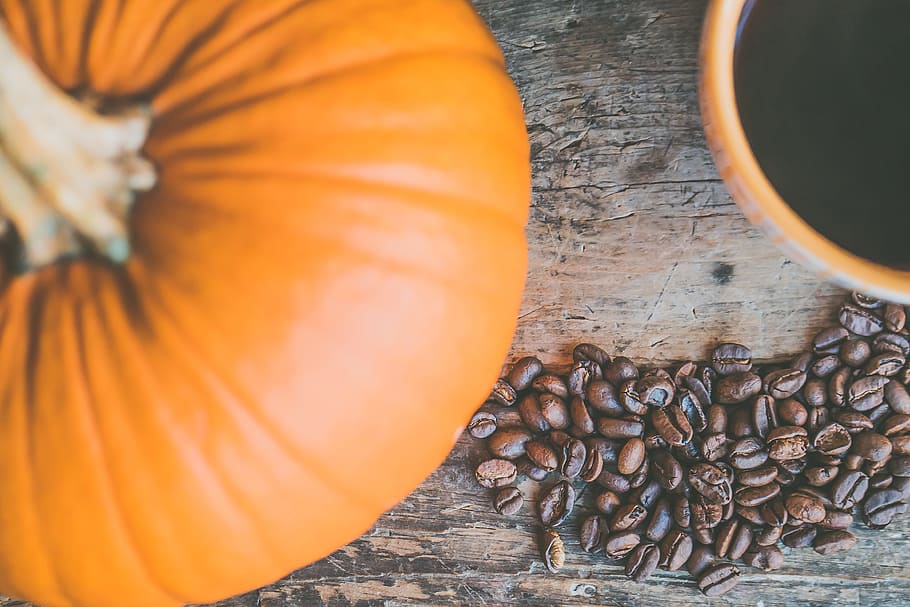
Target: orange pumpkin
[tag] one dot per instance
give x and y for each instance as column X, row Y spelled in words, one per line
column 322, row 287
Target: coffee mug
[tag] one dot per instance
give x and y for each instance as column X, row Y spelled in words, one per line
column 783, row 71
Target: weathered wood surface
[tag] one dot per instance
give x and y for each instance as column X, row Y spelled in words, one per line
column 635, row 245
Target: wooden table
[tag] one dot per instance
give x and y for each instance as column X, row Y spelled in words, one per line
column 636, row 245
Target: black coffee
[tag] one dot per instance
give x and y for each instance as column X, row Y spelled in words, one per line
column 823, row 88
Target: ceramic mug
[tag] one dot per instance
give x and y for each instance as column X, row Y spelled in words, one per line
column 752, row 190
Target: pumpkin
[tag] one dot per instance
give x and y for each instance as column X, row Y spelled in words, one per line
column 325, row 260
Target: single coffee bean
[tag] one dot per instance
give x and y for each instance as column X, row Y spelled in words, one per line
column 647, row 495
column 504, row 393
column 819, row 476
column 724, row 537
column 719, row 579
column 591, row 533
column 655, row 391
column 792, row 412
column 764, row 415
column 714, row 446
column 852, row 461
column 607, row 447
column 508, row 501
column 703, row 535
column 705, row 515
column 717, row 419
column 775, row 513
column 900, row 466
column 887, row 364
column 555, row 411
column 902, row 485
column 710, row 482
column 767, row 536
column 784, row 383
column 837, row 519
column 731, row 358
column 833, row 439
column 556, row 504
column 524, row 372
column 672, row 425
column 602, row 397
column 681, row 509
column 799, row 537
column 620, row 428
column 552, row 384
column 758, row 477
column 803, row 362
column 675, row 549
column 529, row 469
column 687, row 369
column 708, row 377
column 531, row 416
column 788, row 443
column 667, row 469
column 750, row 513
column 805, row 508
column 815, row 392
column 693, row 409
column 895, row 425
column 855, row 352
column 829, row 338
column 628, row 516
column 700, row 560
column 882, row 506
column 643, row 561
column 620, row 370
column 794, row 466
column 582, row 422
column 859, row 320
column 819, row 417
column 853, row 421
column 895, row 317
column 618, row 545
column 572, row 459
column 630, row 399
column 607, row 502
column 756, row 496
column 494, row 473
column 867, row 393
column 825, row 366
column 837, row 386
column 816, row 494
column 586, row 351
column 542, row 455
column 640, row 476
column 482, row 425
column 631, row 456
column 748, row 453
column 866, row 301
column 872, row 446
column 653, row 440
column 880, row 480
column 583, row 372
column 737, row 387
column 660, row 523
column 879, row 413
column 766, row 558
column 592, row 467
column 832, row 542
column 552, row 550
column 891, row 342
column 613, row 481
column 741, row 422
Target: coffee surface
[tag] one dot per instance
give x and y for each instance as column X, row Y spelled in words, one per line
column 822, row 88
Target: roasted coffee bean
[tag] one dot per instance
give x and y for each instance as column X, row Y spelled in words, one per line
column 784, row 383
column 701, row 558
column 620, row 370
column 766, row 558
column 681, row 509
column 708, row 377
column 748, row 453
column 552, row 550
column 731, row 358
column 672, row 425
column 590, row 352
column 583, row 372
column 792, row 412
column 508, row 501
column 737, row 388
column 817, row 494
column 871, row 446
column 825, row 366
column 647, row 494
column 630, row 399
column 542, row 455
column 660, row 523
column 552, row 384
column 482, row 425
column 901, row 484
column 531, row 416
column 799, row 537
column 880, row 480
column 640, row 476
column 556, row 504
column 764, row 415
column 494, row 473
column 819, row 476
column 887, row 364
column 900, row 466
column 805, row 508
column 607, row 502
column 837, row 386
column 724, row 537
column 686, row 369
column 699, row 390
column 853, row 421
column 879, row 413
column 750, row 513
column 582, row 422
column 767, row 536
column 711, row 483
column 620, row 428
column 794, row 466
column 741, row 422
column 859, row 320
column 837, row 519
column 815, row 392
column 895, row 425
column 717, row 419
column 895, row 317
column 613, row 481
column 891, row 342
column 855, row 352
column 803, row 362
column 866, row 301
column 618, row 545
column 788, row 443
column 705, row 515
column 775, row 513
column 504, row 393
column 607, row 447
column 719, row 579
column 818, row 419
column 832, row 542
column 757, row 477
column 667, row 469
column 591, row 533
column 833, row 439
column 631, row 456
column 653, row 440
column 829, row 339
column 529, row 469
column 703, row 535
column 524, row 372
column 852, row 461
column 882, row 506
column 714, row 447
column 628, row 516
column 555, row 411
column 693, row 409
column 756, row 496
column 602, row 397
column 572, row 458
column 785, row 478
column 593, row 466
column 867, row 392
column 675, row 549
column 655, row 391
column 643, row 561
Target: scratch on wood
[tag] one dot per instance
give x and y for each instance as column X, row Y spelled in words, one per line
column 660, row 296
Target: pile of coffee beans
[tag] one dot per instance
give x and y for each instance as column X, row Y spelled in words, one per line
column 702, row 465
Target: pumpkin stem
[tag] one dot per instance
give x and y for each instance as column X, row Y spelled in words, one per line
column 68, row 174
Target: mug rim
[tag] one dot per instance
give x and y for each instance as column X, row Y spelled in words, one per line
column 752, row 190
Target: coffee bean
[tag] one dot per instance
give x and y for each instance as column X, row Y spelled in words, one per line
column 582, row 422
column 767, row 536
column 757, row 477
column 628, row 516
column 819, row 476
column 590, row 352
column 775, row 513
column 741, row 422
column 552, row 550
column 866, row 301
column 825, row 366
column 719, row 579
column 750, row 513
column 853, row 421
column 494, row 473
column 764, row 415
column 660, row 523
column 504, row 393
column 880, row 480
column 607, row 447
column 803, row 362
column 891, row 342
column 613, row 481
column 631, row 456
column 620, row 428
column 607, row 502
column 724, row 537
column 792, row 412
column 482, row 425
column 805, row 508
column 886, row 365
column 756, row 496
column 900, row 466
column 572, row 458
column 698, row 389
column 710, row 482
column 867, row 393
column 592, row 467
column 681, row 509
column 618, row 545
column 766, row 558
column 784, row 383
column 667, row 469
column 524, row 372
column 700, row 560
column 748, row 453
column 508, row 501
column 703, row 535
column 832, row 439
column 655, row 391
column 714, row 446
column 902, row 484
column 859, row 320
column 872, row 446
column 531, row 416
column 879, row 413
column 717, row 419
column 591, row 533
column 556, row 504
column 653, row 440
column 552, row 384
column 630, row 399
column 896, row 425
column 787, row 443
column 643, row 561
column 672, row 425
column 675, row 549
column 647, row 494
column 799, row 537
column 602, row 398
column 583, row 372
column 620, row 370
column 837, row 519
column 882, row 506
column 837, row 386
column 793, row 466
column 686, row 369
column 705, row 514
column 817, row 494
column 737, row 388
column 815, row 392
column 829, row 338
column 855, row 352
column 529, row 469
column 832, row 542
column 895, row 317
column 731, row 358
column 640, row 476
column 693, row 409
column 852, row 461
column 542, row 455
